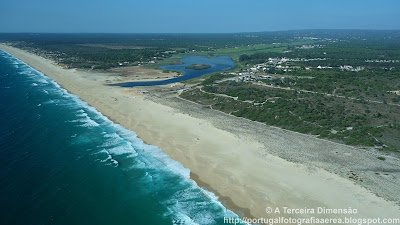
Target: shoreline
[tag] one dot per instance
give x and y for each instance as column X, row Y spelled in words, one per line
column 238, row 168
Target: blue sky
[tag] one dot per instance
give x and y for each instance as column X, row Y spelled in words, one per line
column 189, row 16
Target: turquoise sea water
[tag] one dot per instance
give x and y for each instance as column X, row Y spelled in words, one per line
column 62, row 162
column 217, row 64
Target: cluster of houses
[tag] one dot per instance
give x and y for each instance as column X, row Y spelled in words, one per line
column 318, row 67
column 138, row 62
column 123, row 63
column 308, row 46
column 383, row 60
column 271, row 62
column 247, row 76
column 168, row 52
column 250, row 78
column 350, row 68
column 345, row 67
column 280, row 64
column 283, row 64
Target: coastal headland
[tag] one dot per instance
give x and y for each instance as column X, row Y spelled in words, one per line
column 250, row 166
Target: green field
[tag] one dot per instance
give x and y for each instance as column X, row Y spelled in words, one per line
column 234, row 53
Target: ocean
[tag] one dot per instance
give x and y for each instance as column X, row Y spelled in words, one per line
column 63, row 162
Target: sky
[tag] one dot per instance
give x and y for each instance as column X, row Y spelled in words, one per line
column 194, row 16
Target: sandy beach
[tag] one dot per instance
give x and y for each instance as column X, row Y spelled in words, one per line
column 250, row 166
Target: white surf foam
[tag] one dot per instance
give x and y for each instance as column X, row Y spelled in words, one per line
column 90, row 123
column 123, row 149
column 153, row 154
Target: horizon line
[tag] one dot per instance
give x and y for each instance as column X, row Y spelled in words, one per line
column 241, row 32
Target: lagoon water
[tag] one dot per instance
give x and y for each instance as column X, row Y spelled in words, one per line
column 217, row 64
column 63, row 162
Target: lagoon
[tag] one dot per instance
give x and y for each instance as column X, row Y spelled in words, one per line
column 220, row 63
